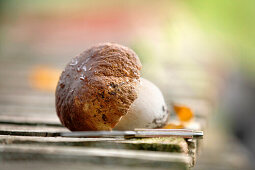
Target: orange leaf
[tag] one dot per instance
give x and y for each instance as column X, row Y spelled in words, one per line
column 184, row 113
column 44, row 78
column 173, row 126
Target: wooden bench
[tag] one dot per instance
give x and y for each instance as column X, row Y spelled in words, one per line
column 20, row 142
column 27, row 116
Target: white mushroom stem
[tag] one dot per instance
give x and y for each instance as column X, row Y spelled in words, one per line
column 148, row 110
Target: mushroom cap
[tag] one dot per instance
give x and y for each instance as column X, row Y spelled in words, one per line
column 148, row 110
column 98, row 87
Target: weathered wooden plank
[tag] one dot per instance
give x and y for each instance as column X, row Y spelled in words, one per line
column 39, row 100
column 165, row 145
column 156, row 144
column 30, row 119
column 67, row 165
column 23, row 109
column 169, row 144
column 31, row 128
column 29, row 133
column 95, row 155
column 8, row 122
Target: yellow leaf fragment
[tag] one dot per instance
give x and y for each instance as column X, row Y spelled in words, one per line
column 184, row 113
column 173, row 126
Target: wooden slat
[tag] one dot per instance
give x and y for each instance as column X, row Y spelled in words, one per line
column 95, row 155
column 67, row 165
column 39, row 100
column 31, row 128
column 177, row 145
column 30, row 119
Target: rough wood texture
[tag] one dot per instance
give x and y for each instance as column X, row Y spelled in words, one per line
column 30, row 119
column 31, row 137
column 173, row 145
column 94, row 155
column 36, row 142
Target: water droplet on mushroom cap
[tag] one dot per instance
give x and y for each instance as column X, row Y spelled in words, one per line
column 82, row 77
column 84, row 68
column 74, row 62
column 78, row 69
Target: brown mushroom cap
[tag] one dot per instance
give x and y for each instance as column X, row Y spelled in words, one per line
column 98, row 87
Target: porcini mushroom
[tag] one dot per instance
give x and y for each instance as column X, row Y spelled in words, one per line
column 101, row 89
